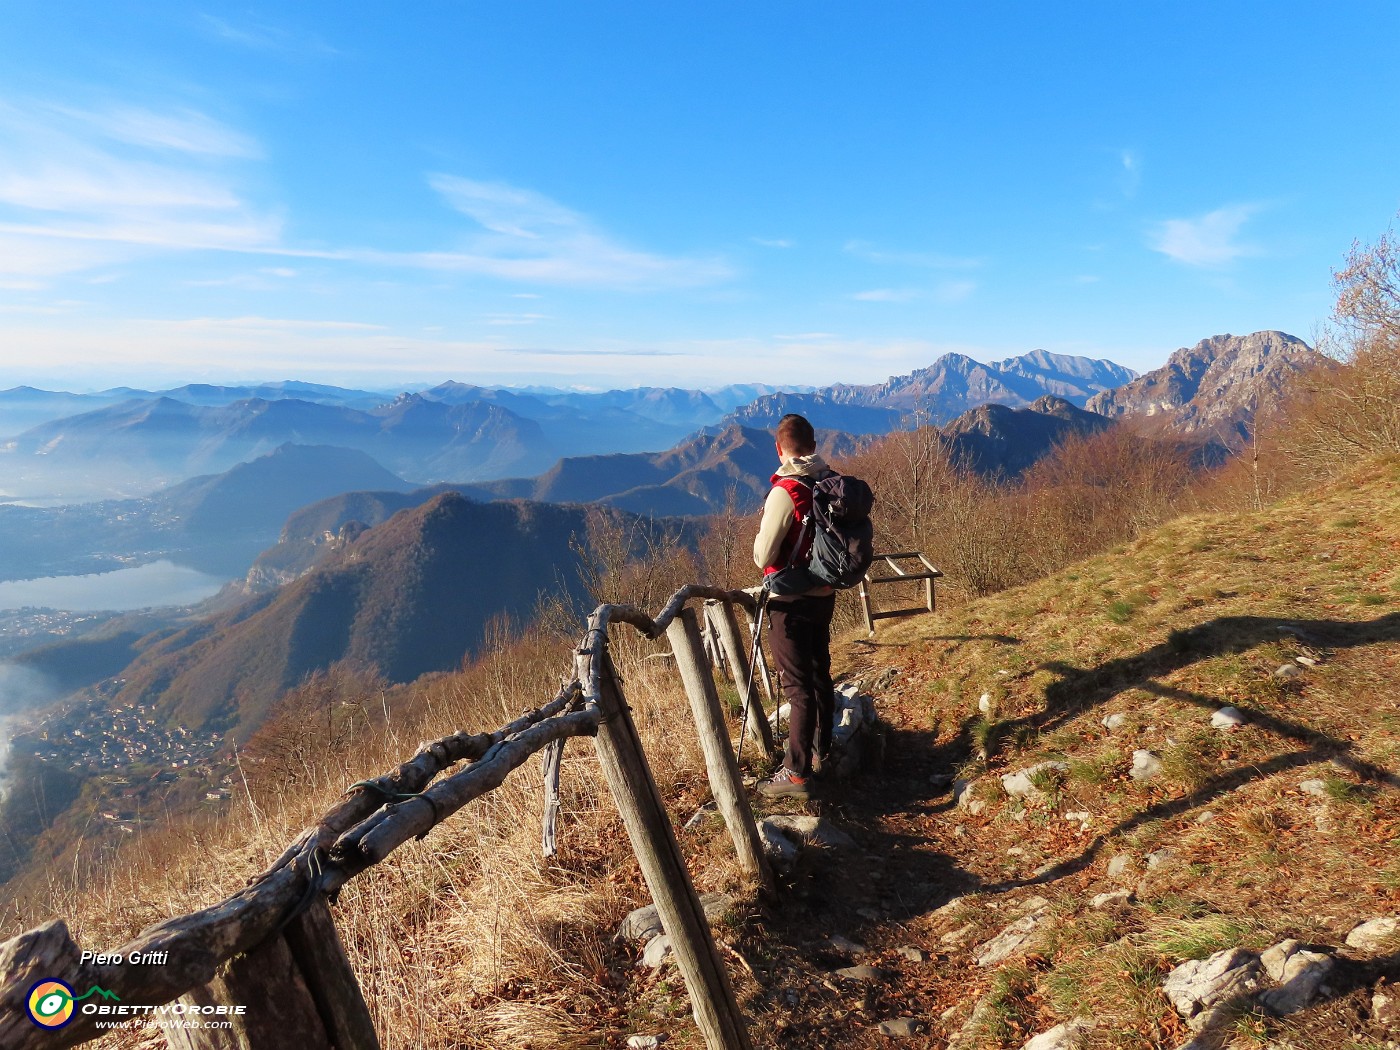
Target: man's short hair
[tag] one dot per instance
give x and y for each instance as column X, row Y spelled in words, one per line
column 796, row 436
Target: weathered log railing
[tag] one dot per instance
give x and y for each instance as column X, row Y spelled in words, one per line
column 268, row 958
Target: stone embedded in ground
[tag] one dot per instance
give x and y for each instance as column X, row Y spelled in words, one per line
column 1112, row 899
column 1065, row 1036
column 1307, row 661
column 812, row 831
column 1383, row 1008
column 1010, row 940
column 984, row 703
column 1022, row 782
column 1079, row 816
column 656, row 953
column 1299, row 974
column 1228, row 718
column 1288, row 671
column 1205, row 816
column 1316, row 788
column 1113, row 723
column 1375, row 934
column 644, row 1042
column 959, row 832
column 976, row 807
column 1146, row 765
column 863, row 972
column 940, row 781
column 901, row 1027
column 958, row 937
column 643, row 924
column 1197, row 986
column 1119, row 865
column 962, row 791
column 1157, row 859
column 913, row 954
column 845, row 944
column 780, row 849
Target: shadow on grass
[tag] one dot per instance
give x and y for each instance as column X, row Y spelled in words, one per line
column 1080, row 690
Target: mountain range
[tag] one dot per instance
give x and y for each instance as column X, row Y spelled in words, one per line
column 130, row 442
column 939, row 393
column 1214, row 389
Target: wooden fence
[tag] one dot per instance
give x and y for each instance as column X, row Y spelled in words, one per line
column 272, row 948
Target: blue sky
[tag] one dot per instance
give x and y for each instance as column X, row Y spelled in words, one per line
column 682, row 193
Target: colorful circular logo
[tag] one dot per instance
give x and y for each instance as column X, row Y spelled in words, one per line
column 50, row 1004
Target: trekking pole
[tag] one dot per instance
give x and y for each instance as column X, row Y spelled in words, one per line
column 753, row 670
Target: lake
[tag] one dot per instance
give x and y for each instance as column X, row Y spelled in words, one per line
column 157, row 583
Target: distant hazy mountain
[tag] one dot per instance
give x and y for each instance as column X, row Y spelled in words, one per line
column 410, row 596
column 151, row 444
column 994, row 439
column 1213, row 389
column 23, row 407
column 218, row 523
column 949, row 387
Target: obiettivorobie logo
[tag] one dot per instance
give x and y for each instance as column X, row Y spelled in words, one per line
column 51, row 1002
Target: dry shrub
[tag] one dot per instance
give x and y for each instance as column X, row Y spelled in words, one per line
column 987, row 534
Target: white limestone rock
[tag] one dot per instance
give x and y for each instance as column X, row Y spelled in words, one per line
column 1195, row 987
column 1022, row 782
column 1010, row 940
column 1299, row 974
column 1146, row 765
column 1115, row 722
column 1112, row 899
column 812, row 831
column 1375, row 935
column 901, row 1027
column 1228, row 718
column 656, row 953
column 1067, row 1036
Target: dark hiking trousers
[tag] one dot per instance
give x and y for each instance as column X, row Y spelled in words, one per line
column 800, row 638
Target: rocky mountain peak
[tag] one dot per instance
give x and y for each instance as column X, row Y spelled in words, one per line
column 1213, row 389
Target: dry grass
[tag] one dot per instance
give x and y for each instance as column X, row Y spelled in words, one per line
column 1196, row 616
column 469, row 938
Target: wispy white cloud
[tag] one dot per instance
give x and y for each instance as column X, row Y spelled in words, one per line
column 262, row 36
column 532, row 237
column 1131, row 162
column 924, row 260
column 265, row 324
column 949, row 292
column 81, row 188
column 887, row 295
column 946, row 292
column 85, row 188
column 515, row 319
column 1209, row 240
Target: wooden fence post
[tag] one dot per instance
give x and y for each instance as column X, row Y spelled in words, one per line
column 720, row 763
column 280, row 1009
column 738, row 655
column 654, row 841
column 298, row 988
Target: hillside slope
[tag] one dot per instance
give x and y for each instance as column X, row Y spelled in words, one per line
column 1282, row 827
column 410, row 596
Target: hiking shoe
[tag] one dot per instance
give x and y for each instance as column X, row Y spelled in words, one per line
column 784, row 784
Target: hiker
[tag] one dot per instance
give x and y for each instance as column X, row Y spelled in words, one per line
column 799, row 625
